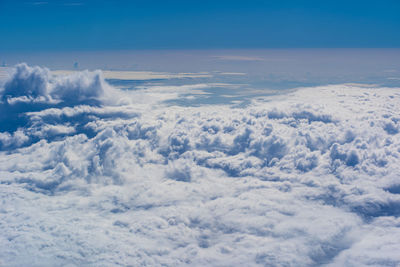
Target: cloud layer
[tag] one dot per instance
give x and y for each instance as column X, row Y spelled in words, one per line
column 91, row 175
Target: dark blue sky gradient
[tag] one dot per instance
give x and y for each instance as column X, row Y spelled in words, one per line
column 113, row 25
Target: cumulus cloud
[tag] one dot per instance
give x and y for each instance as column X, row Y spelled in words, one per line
column 304, row 180
column 27, row 83
column 35, row 90
column 36, row 84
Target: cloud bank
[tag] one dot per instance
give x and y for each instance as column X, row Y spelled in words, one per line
column 91, row 175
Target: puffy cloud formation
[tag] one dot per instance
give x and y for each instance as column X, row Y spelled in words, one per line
column 302, row 179
column 35, row 84
column 34, row 89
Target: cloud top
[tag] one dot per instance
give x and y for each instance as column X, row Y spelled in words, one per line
column 38, row 85
column 28, row 83
column 307, row 179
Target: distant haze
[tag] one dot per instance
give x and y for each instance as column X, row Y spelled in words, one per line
column 287, row 67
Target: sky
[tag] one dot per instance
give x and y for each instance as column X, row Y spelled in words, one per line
column 115, row 25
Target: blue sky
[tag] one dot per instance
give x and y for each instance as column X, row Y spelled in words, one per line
column 113, row 25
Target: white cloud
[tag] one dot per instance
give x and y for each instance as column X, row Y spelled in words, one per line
column 35, row 84
column 308, row 178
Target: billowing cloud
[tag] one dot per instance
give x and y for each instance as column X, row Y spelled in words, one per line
column 35, row 84
column 305, row 178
